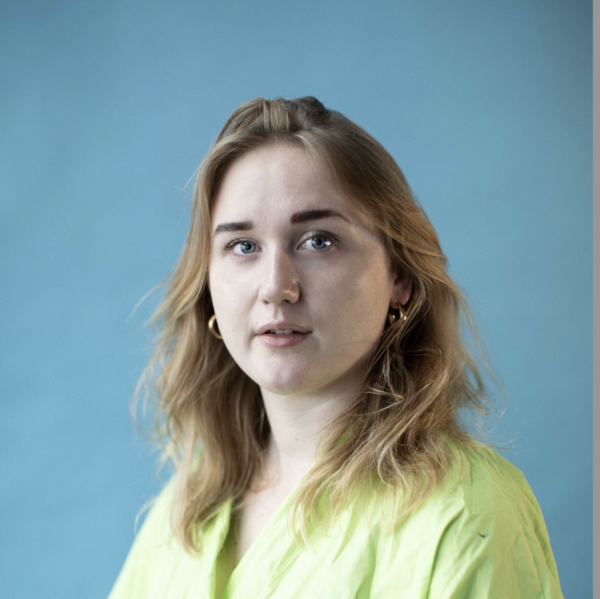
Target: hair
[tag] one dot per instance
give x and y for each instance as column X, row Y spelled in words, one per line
column 210, row 417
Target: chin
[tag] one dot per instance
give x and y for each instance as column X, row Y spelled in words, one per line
column 278, row 379
column 281, row 385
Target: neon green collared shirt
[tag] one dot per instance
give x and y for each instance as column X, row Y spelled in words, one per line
column 480, row 535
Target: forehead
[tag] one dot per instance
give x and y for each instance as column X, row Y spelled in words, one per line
column 278, row 180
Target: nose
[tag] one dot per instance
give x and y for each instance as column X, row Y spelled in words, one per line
column 280, row 281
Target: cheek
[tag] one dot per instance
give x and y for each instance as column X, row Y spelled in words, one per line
column 234, row 300
column 228, row 299
column 224, row 280
column 354, row 304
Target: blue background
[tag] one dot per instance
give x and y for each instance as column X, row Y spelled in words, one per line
column 106, row 110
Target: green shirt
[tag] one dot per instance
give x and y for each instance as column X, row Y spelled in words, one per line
column 480, row 535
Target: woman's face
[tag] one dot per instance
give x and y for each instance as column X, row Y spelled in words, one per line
column 290, row 252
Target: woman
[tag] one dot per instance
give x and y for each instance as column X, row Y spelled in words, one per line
column 309, row 377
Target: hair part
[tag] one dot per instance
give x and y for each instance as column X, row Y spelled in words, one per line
column 210, row 417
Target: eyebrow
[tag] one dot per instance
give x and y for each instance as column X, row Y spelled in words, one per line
column 296, row 218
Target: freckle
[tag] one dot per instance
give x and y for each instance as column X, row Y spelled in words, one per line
column 482, row 536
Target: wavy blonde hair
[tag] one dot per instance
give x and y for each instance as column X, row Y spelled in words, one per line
column 209, row 413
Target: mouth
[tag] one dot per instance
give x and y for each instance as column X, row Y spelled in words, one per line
column 284, row 332
column 283, row 338
column 282, row 327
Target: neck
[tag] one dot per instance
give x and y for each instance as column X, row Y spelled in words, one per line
column 297, row 422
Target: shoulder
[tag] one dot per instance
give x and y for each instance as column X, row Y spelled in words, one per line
column 489, row 489
column 153, row 555
column 480, row 489
column 481, row 533
column 158, row 566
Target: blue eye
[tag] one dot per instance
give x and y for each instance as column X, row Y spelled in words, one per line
column 324, row 239
column 318, row 241
column 243, row 244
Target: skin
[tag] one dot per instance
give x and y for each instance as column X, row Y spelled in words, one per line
column 330, row 275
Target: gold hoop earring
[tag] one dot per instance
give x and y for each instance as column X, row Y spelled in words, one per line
column 211, row 327
column 392, row 317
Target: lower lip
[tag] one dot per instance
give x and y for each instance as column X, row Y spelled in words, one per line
column 273, row 340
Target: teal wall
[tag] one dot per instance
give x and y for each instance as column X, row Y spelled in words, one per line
column 106, row 109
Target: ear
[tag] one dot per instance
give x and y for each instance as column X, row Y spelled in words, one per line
column 401, row 291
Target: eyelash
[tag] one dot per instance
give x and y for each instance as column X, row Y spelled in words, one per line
column 327, row 236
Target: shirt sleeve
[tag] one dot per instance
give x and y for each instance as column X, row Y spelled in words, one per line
column 147, row 556
column 496, row 556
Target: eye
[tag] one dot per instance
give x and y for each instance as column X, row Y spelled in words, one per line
column 320, row 241
column 243, row 244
